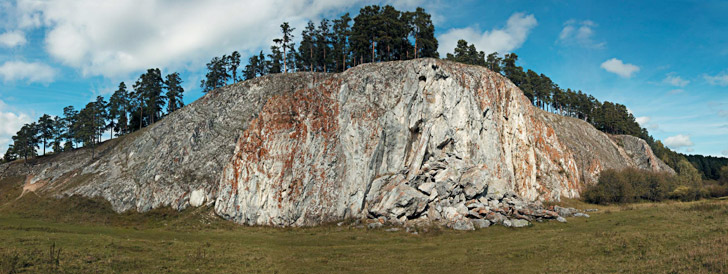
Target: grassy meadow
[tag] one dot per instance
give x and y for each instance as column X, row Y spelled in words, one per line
column 80, row 235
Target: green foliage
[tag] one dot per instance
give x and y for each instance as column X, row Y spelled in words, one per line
column 217, row 74
column 284, row 46
column 173, row 84
column 257, row 66
column 633, row 185
column 233, row 62
column 26, row 141
column 340, row 46
column 45, row 129
column 467, row 54
column 422, row 32
column 119, row 109
column 709, row 166
column 386, row 34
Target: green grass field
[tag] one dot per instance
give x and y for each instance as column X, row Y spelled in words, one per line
column 80, row 235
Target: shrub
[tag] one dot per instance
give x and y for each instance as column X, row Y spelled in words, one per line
column 632, row 185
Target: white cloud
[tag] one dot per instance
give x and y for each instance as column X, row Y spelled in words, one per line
column 31, row 72
column 672, row 79
column 690, row 149
column 718, row 79
column 580, row 33
column 496, row 40
column 678, row 141
column 725, row 152
column 620, row 68
column 12, row 39
column 116, row 38
column 10, row 123
column 676, row 91
column 646, row 122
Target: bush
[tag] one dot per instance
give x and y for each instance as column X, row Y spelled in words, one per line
column 716, row 189
column 633, row 185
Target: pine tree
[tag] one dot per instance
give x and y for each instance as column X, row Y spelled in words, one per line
column 174, row 94
column 58, row 128
column 306, row 60
column 423, row 32
column 70, row 116
column 285, row 43
column 341, row 32
column 234, row 63
column 493, row 62
column 45, row 128
column 323, row 44
column 100, row 114
column 26, row 140
column 217, row 74
column 119, row 110
column 275, row 65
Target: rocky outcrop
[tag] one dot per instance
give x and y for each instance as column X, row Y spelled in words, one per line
column 420, row 140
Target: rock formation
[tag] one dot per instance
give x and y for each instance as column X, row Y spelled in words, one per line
column 422, row 140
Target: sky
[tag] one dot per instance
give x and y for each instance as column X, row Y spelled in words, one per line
column 667, row 61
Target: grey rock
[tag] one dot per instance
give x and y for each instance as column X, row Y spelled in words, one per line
column 463, row 224
column 561, row 219
column 519, row 223
column 302, row 149
column 565, row 211
column 480, row 223
column 427, row 188
column 579, row 214
column 507, row 223
column 374, row 225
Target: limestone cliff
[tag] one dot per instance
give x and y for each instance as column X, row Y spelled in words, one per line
column 398, row 140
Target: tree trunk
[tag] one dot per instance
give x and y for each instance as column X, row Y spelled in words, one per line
column 284, row 58
column 324, row 61
column 141, row 117
column 372, row 49
column 415, row 46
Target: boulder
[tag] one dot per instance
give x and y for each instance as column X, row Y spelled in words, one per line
column 480, row 223
column 463, row 224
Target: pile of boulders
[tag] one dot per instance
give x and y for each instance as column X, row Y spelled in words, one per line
column 508, row 210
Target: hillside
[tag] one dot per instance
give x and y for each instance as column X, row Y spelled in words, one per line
column 398, row 141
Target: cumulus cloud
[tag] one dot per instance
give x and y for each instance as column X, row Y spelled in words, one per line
column 502, row 40
column 579, row 33
column 678, row 141
column 620, row 68
column 646, row 122
column 12, row 39
column 674, row 80
column 718, row 79
column 10, row 123
column 642, row 120
column 31, row 72
column 115, row 38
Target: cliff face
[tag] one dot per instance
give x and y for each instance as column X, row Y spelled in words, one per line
column 398, row 140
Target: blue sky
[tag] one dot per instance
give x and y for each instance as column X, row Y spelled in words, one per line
column 667, row 61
